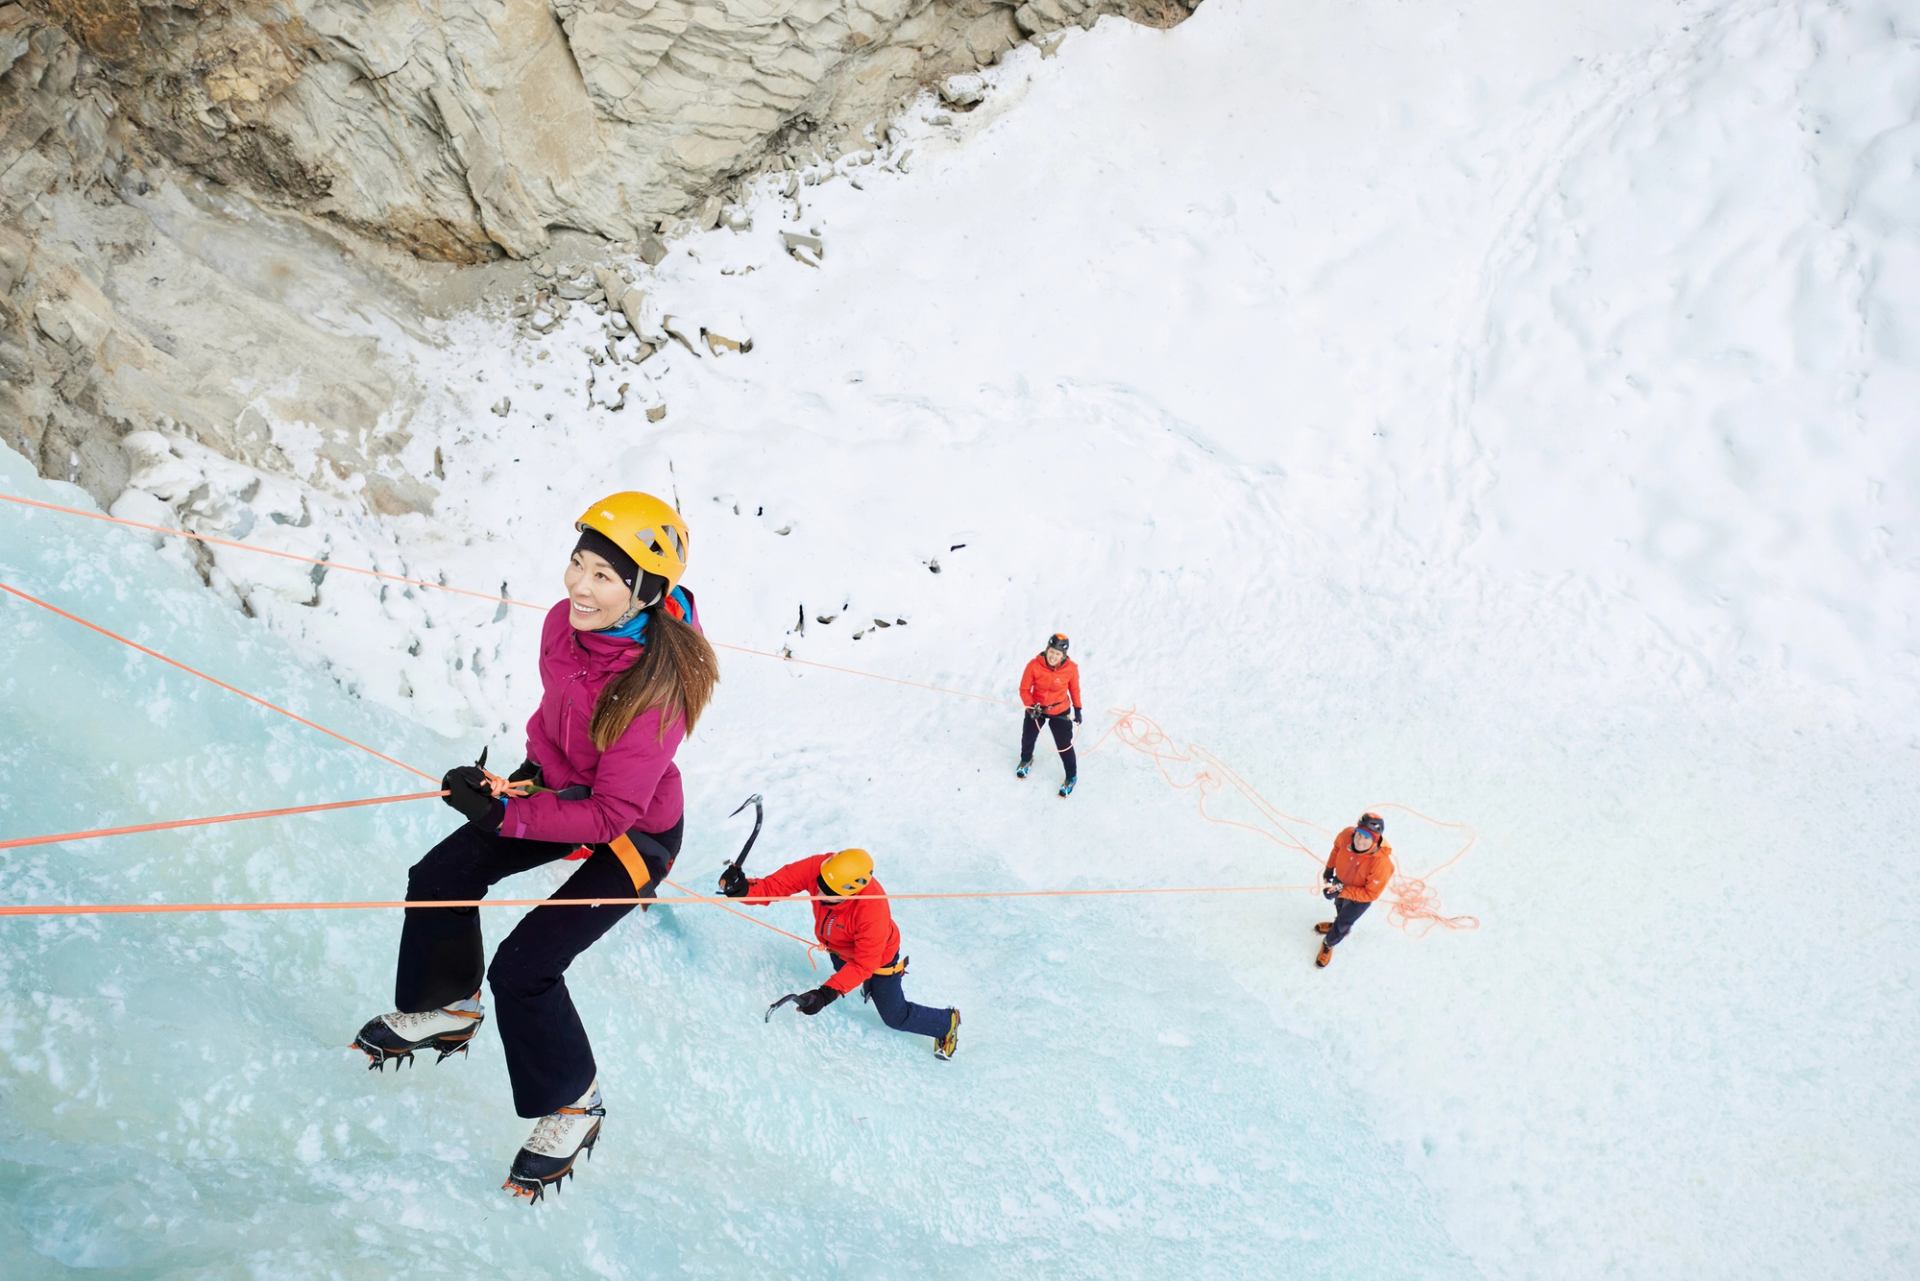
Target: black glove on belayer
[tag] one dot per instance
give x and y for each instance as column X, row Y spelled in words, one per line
column 1076, row 717
column 469, row 792
column 815, row 1001
column 733, row 881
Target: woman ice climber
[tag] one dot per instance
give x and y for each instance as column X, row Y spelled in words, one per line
column 1357, row 873
column 1049, row 689
column 624, row 674
column 852, row 921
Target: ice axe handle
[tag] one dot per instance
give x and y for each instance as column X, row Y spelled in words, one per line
column 759, row 816
column 791, row 996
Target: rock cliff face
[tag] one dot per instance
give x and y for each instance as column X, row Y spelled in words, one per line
column 188, row 191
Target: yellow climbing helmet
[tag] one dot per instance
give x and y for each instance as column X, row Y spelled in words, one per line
column 645, row 528
column 847, row 873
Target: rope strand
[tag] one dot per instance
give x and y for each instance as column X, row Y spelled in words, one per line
column 211, row 680
column 685, row 899
column 64, row 837
column 1414, row 907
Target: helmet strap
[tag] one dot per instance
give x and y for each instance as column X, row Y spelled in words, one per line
column 634, row 605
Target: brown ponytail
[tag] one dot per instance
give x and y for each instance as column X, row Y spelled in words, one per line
column 676, row 673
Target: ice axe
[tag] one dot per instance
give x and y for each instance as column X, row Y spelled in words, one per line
column 759, row 816
column 791, row 996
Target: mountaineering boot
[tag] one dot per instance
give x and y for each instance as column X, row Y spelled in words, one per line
column 944, row 1047
column 396, row 1036
column 1326, row 954
column 1020, row 771
column 1324, row 927
column 1066, row 788
column 557, row 1141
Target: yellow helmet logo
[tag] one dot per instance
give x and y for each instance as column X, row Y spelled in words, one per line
column 847, row 872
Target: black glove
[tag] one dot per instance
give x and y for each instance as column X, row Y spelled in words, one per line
column 817, row 1000
column 733, row 881
column 1333, row 889
column 1076, row 716
column 468, row 792
column 527, row 773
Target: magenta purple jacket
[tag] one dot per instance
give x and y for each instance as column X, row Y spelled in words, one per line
column 636, row 785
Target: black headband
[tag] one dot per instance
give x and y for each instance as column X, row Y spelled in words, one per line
column 592, row 540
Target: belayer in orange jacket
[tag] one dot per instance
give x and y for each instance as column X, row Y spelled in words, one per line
column 1356, row 874
column 1049, row 690
column 852, row 921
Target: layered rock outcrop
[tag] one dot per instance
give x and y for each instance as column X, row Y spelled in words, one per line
column 179, row 180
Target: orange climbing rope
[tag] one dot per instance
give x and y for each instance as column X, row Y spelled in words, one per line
column 212, row 680
column 153, row 653
column 1413, row 907
column 493, row 597
column 62, row 837
column 686, row 897
column 171, row 532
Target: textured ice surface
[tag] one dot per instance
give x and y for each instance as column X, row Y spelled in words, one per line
column 1501, row 410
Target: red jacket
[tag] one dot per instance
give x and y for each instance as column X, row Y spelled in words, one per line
column 1055, row 688
column 859, row 930
column 1364, row 875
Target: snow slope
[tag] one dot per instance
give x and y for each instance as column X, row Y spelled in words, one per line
column 1495, row 412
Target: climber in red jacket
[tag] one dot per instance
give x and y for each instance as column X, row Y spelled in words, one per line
column 852, row 921
column 1357, row 872
column 1049, row 690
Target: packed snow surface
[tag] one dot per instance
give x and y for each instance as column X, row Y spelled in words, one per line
column 1497, row 415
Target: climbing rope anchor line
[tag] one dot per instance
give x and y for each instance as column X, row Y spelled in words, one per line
column 273, row 707
column 1413, row 903
column 684, row 899
column 20, row 842
column 1413, row 907
column 494, row 598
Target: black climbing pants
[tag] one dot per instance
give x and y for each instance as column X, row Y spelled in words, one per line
column 1062, row 727
column 442, row 956
column 1345, row 912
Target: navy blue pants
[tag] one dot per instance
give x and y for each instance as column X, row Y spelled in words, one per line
column 442, row 955
column 1062, row 727
column 896, row 1011
column 1345, row 912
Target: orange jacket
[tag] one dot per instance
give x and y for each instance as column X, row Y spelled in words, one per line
column 859, row 930
column 1364, row 875
column 1055, row 688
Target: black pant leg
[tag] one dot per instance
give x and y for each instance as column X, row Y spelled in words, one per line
column 1029, row 734
column 1345, row 912
column 1062, row 727
column 442, row 957
column 549, row 1058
